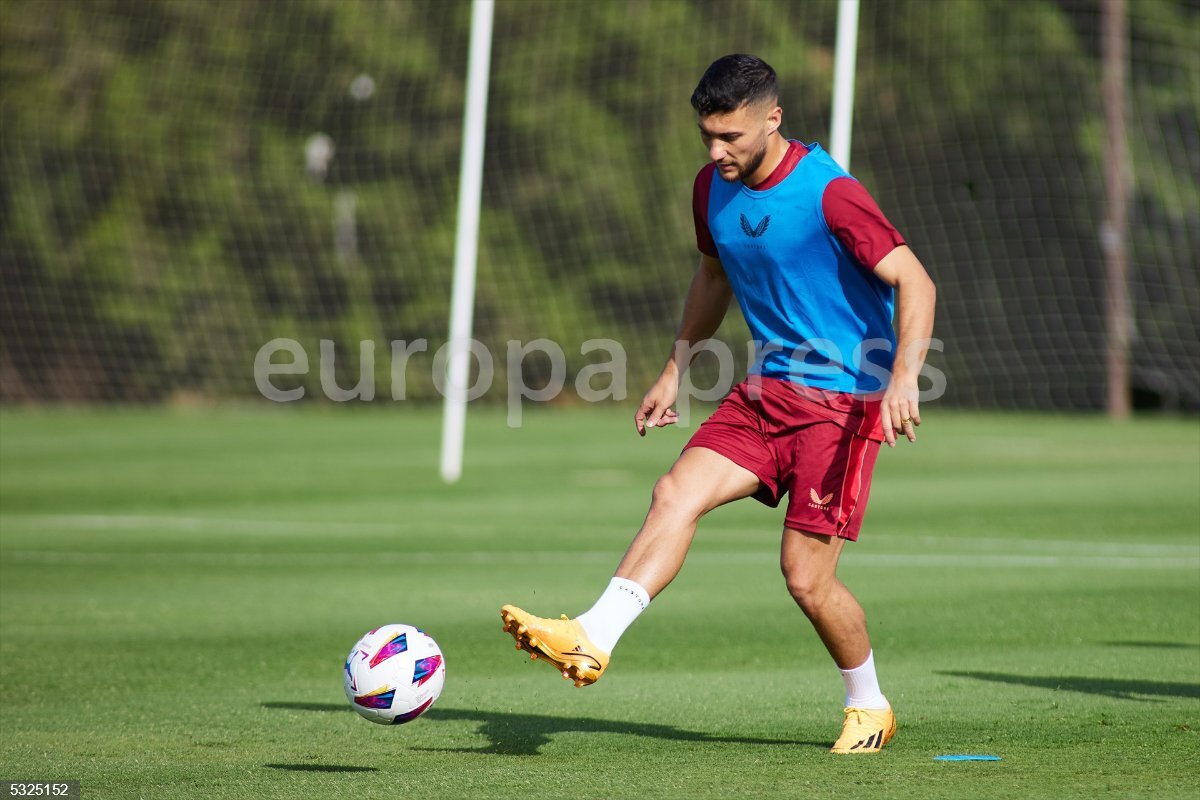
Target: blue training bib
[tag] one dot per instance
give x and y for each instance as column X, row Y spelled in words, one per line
column 819, row 317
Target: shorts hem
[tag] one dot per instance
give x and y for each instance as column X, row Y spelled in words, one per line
column 822, row 530
column 768, row 492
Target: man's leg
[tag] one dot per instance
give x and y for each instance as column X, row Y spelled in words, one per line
column 699, row 481
column 809, row 563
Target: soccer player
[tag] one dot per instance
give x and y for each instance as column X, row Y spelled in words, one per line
column 816, row 269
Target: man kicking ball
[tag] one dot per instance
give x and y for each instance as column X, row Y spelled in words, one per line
column 816, row 269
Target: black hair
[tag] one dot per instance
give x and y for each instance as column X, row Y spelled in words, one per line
column 733, row 81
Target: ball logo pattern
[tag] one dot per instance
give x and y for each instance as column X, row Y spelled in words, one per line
column 394, row 674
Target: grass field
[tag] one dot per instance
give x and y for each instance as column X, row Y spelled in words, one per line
column 178, row 590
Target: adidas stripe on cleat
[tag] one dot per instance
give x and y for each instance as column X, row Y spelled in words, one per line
column 866, row 730
column 561, row 642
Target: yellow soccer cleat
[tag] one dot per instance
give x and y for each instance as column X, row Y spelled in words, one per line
column 866, row 730
column 562, row 642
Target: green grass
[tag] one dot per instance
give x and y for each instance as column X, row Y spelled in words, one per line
column 178, row 590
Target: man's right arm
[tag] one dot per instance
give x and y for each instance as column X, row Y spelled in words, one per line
column 703, row 309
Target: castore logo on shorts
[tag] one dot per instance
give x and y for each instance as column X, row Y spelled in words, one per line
column 818, row 501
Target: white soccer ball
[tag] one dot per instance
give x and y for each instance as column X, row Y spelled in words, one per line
column 394, row 674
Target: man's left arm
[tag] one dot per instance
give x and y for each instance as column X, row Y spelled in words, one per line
column 915, row 300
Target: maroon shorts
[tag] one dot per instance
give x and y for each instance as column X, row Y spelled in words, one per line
column 796, row 448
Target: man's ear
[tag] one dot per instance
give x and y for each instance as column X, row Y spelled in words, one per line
column 774, row 120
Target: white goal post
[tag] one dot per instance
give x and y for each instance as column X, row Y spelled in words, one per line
column 845, row 56
column 466, row 241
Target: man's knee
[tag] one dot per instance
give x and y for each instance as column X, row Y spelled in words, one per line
column 667, row 492
column 671, row 495
column 807, row 586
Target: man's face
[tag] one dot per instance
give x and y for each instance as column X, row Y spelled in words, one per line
column 737, row 141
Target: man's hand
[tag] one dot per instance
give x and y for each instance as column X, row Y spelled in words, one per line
column 899, row 413
column 703, row 309
column 655, row 410
column 915, row 299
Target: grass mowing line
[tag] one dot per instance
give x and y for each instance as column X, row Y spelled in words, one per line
column 996, row 560
column 1067, row 546
column 181, row 523
column 1034, row 547
column 981, row 560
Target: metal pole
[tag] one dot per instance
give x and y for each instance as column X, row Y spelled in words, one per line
column 466, row 244
column 1114, row 234
column 843, row 82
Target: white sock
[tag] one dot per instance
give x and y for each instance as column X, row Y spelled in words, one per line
column 862, row 687
column 615, row 611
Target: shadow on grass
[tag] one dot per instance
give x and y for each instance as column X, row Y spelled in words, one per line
column 319, row 768
column 524, row 734
column 1108, row 687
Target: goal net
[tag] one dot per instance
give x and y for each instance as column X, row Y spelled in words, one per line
column 186, row 181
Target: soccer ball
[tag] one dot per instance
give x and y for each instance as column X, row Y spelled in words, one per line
column 394, row 674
